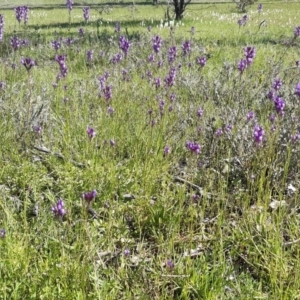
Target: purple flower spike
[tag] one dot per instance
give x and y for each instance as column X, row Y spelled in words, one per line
column 89, row 55
column 126, row 252
column 250, row 53
column 56, row 45
column 86, row 13
column 297, row 31
column 242, row 65
column 89, row 196
column 1, row 27
column 167, row 150
column 250, row 115
column 69, row 4
column 259, row 8
column 19, row 13
column 258, row 134
column 15, row 43
column 277, row 84
column 172, row 53
column 81, row 31
column 201, row 61
column 279, row 106
column 90, row 132
column 186, row 48
column 200, row 112
column 271, row 95
column 170, row 264
column 124, row 45
column 58, row 209
column 193, row 147
column 157, row 42
column 170, row 78
column 28, row 63
column 298, row 89
column 2, row 233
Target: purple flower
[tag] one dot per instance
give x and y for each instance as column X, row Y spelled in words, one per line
column 81, row 31
column 15, row 42
column 37, row 129
column 157, row 82
column 89, row 196
column 298, row 89
column 167, row 150
column 201, row 61
column 258, row 134
column 243, row 21
column 25, row 14
column 170, row 264
column 1, row 27
column 126, row 252
column 61, row 59
column 193, row 147
column 259, row 8
column 279, row 106
column 250, row 53
column 90, row 132
column 156, row 42
column 107, row 92
column 219, row 132
column 112, row 142
column 272, row 118
column 151, row 58
column 250, row 115
column 89, row 55
column 170, row 78
column 28, row 63
column 110, row 110
column 186, row 47
column 271, row 95
column 2, row 85
column 58, row 209
column 69, row 4
column 117, row 27
column 2, row 233
column 228, row 128
column 172, row 53
column 124, row 45
column 86, row 13
column 56, row 45
column 116, row 58
column 19, row 13
column 200, row 112
column 277, row 84
column 69, row 41
column 297, row 31
column 242, row 65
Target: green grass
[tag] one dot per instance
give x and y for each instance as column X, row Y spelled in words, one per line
column 210, row 214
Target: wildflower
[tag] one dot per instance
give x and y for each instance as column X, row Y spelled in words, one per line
column 56, row 45
column 124, row 45
column 193, row 147
column 58, row 209
column 89, row 196
column 2, row 233
column 151, row 58
column 157, row 82
column 69, row 4
column 272, row 118
column 86, row 13
column 25, row 14
column 19, row 12
column 228, row 128
column 172, row 53
column 279, row 106
column 157, row 42
column 117, row 27
column 90, row 132
column 110, row 110
column 167, row 150
column 170, row 78
column 37, row 129
column 28, row 63
column 126, row 252
column 81, row 31
column 277, row 84
column 297, row 31
column 243, row 21
column 201, row 61
column 219, row 132
column 259, row 8
column 1, row 27
column 271, row 95
column 258, row 134
column 250, row 115
column 242, row 65
column 170, row 264
column 250, row 53
column 61, row 59
column 107, row 92
column 69, row 41
column 186, row 47
column 298, row 89
column 199, row 112
column 89, row 55
column 15, row 42
column 116, row 58
column 2, row 85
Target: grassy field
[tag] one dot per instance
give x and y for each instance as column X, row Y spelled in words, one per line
column 141, row 160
